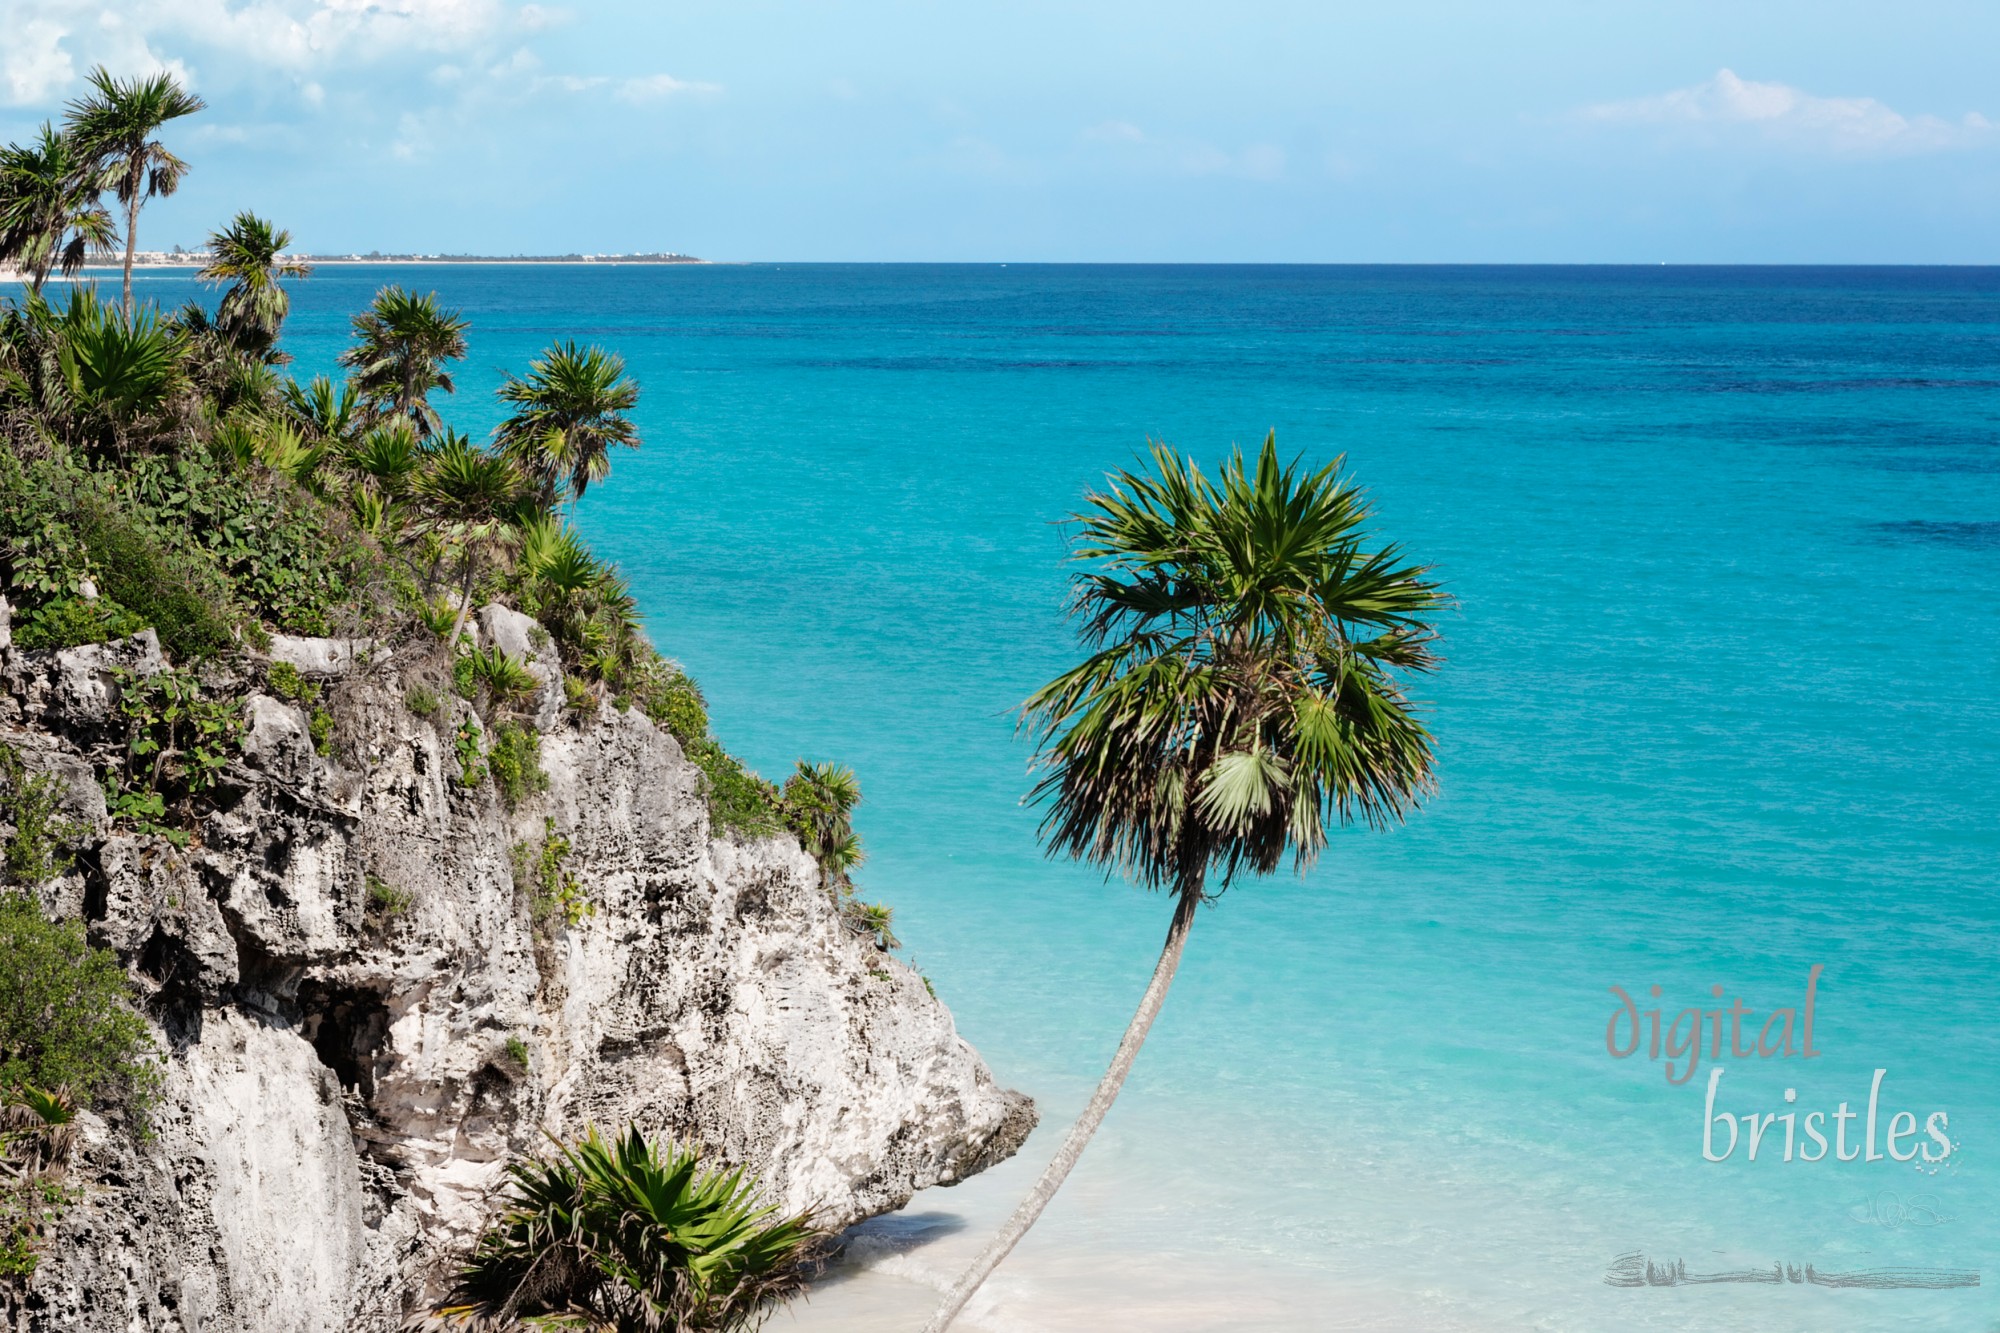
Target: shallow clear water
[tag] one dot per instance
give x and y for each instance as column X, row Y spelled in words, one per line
column 1720, row 705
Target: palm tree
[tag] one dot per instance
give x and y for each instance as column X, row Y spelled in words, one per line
column 114, row 128
column 49, row 213
column 329, row 411
column 822, row 798
column 403, row 343
column 569, row 410
column 1241, row 696
column 116, row 373
column 469, row 498
column 246, row 255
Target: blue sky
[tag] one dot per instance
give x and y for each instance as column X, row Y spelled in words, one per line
column 1430, row 130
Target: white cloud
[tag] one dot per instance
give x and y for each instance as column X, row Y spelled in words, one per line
column 653, row 87
column 1784, row 114
column 1189, row 157
column 48, row 43
column 33, row 62
column 1115, row 131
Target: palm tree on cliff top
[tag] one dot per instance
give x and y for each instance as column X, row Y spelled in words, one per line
column 114, row 127
column 1241, row 696
column 402, row 345
column 247, row 259
column 569, row 410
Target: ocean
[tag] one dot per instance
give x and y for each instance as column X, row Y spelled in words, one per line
column 1719, row 708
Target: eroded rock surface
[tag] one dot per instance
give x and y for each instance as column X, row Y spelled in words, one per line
column 347, row 971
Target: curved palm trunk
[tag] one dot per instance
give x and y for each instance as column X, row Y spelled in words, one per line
column 1086, row 1124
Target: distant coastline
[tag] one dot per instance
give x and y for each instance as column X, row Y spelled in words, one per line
column 196, row 258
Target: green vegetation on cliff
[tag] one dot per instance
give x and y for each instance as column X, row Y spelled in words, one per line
column 163, row 470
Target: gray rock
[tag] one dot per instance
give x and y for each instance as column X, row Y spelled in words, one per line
column 336, row 966
column 523, row 637
column 320, row 659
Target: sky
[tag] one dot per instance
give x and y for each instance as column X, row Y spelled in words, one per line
column 1096, row 130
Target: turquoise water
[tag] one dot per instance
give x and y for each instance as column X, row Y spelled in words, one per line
column 1720, row 706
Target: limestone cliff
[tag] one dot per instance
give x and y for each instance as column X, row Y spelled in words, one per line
column 364, row 1022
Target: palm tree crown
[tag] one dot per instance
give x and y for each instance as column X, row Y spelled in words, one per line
column 403, row 342
column 114, row 128
column 246, row 256
column 49, row 214
column 569, row 410
column 1241, row 696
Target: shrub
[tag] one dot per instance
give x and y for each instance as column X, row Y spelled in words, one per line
column 387, row 899
column 517, row 1053
column 320, row 727
column 553, row 892
column 27, row 1207
column 421, row 700
column 66, row 1017
column 671, row 699
column 69, row 621
column 465, row 748
column 39, row 848
column 177, row 742
column 43, row 554
column 515, row 758
column 180, row 597
column 738, row 800
column 631, row 1235
column 503, row 677
column 292, row 558
column 871, row 919
column 286, row 682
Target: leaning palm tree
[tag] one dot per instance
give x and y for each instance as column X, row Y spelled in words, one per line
column 1241, row 697
column 403, row 342
column 49, row 213
column 568, row 411
column 246, row 257
column 114, row 128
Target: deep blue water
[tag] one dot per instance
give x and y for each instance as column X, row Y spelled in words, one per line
column 1719, row 705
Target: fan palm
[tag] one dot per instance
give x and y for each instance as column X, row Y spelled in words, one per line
column 403, row 343
column 387, row 457
column 49, row 213
column 328, row 410
column 1241, row 696
column 630, row 1237
column 246, row 256
column 116, row 372
column 114, row 128
column 569, row 409
column 822, row 798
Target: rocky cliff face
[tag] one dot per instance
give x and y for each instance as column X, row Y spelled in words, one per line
column 365, row 1022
